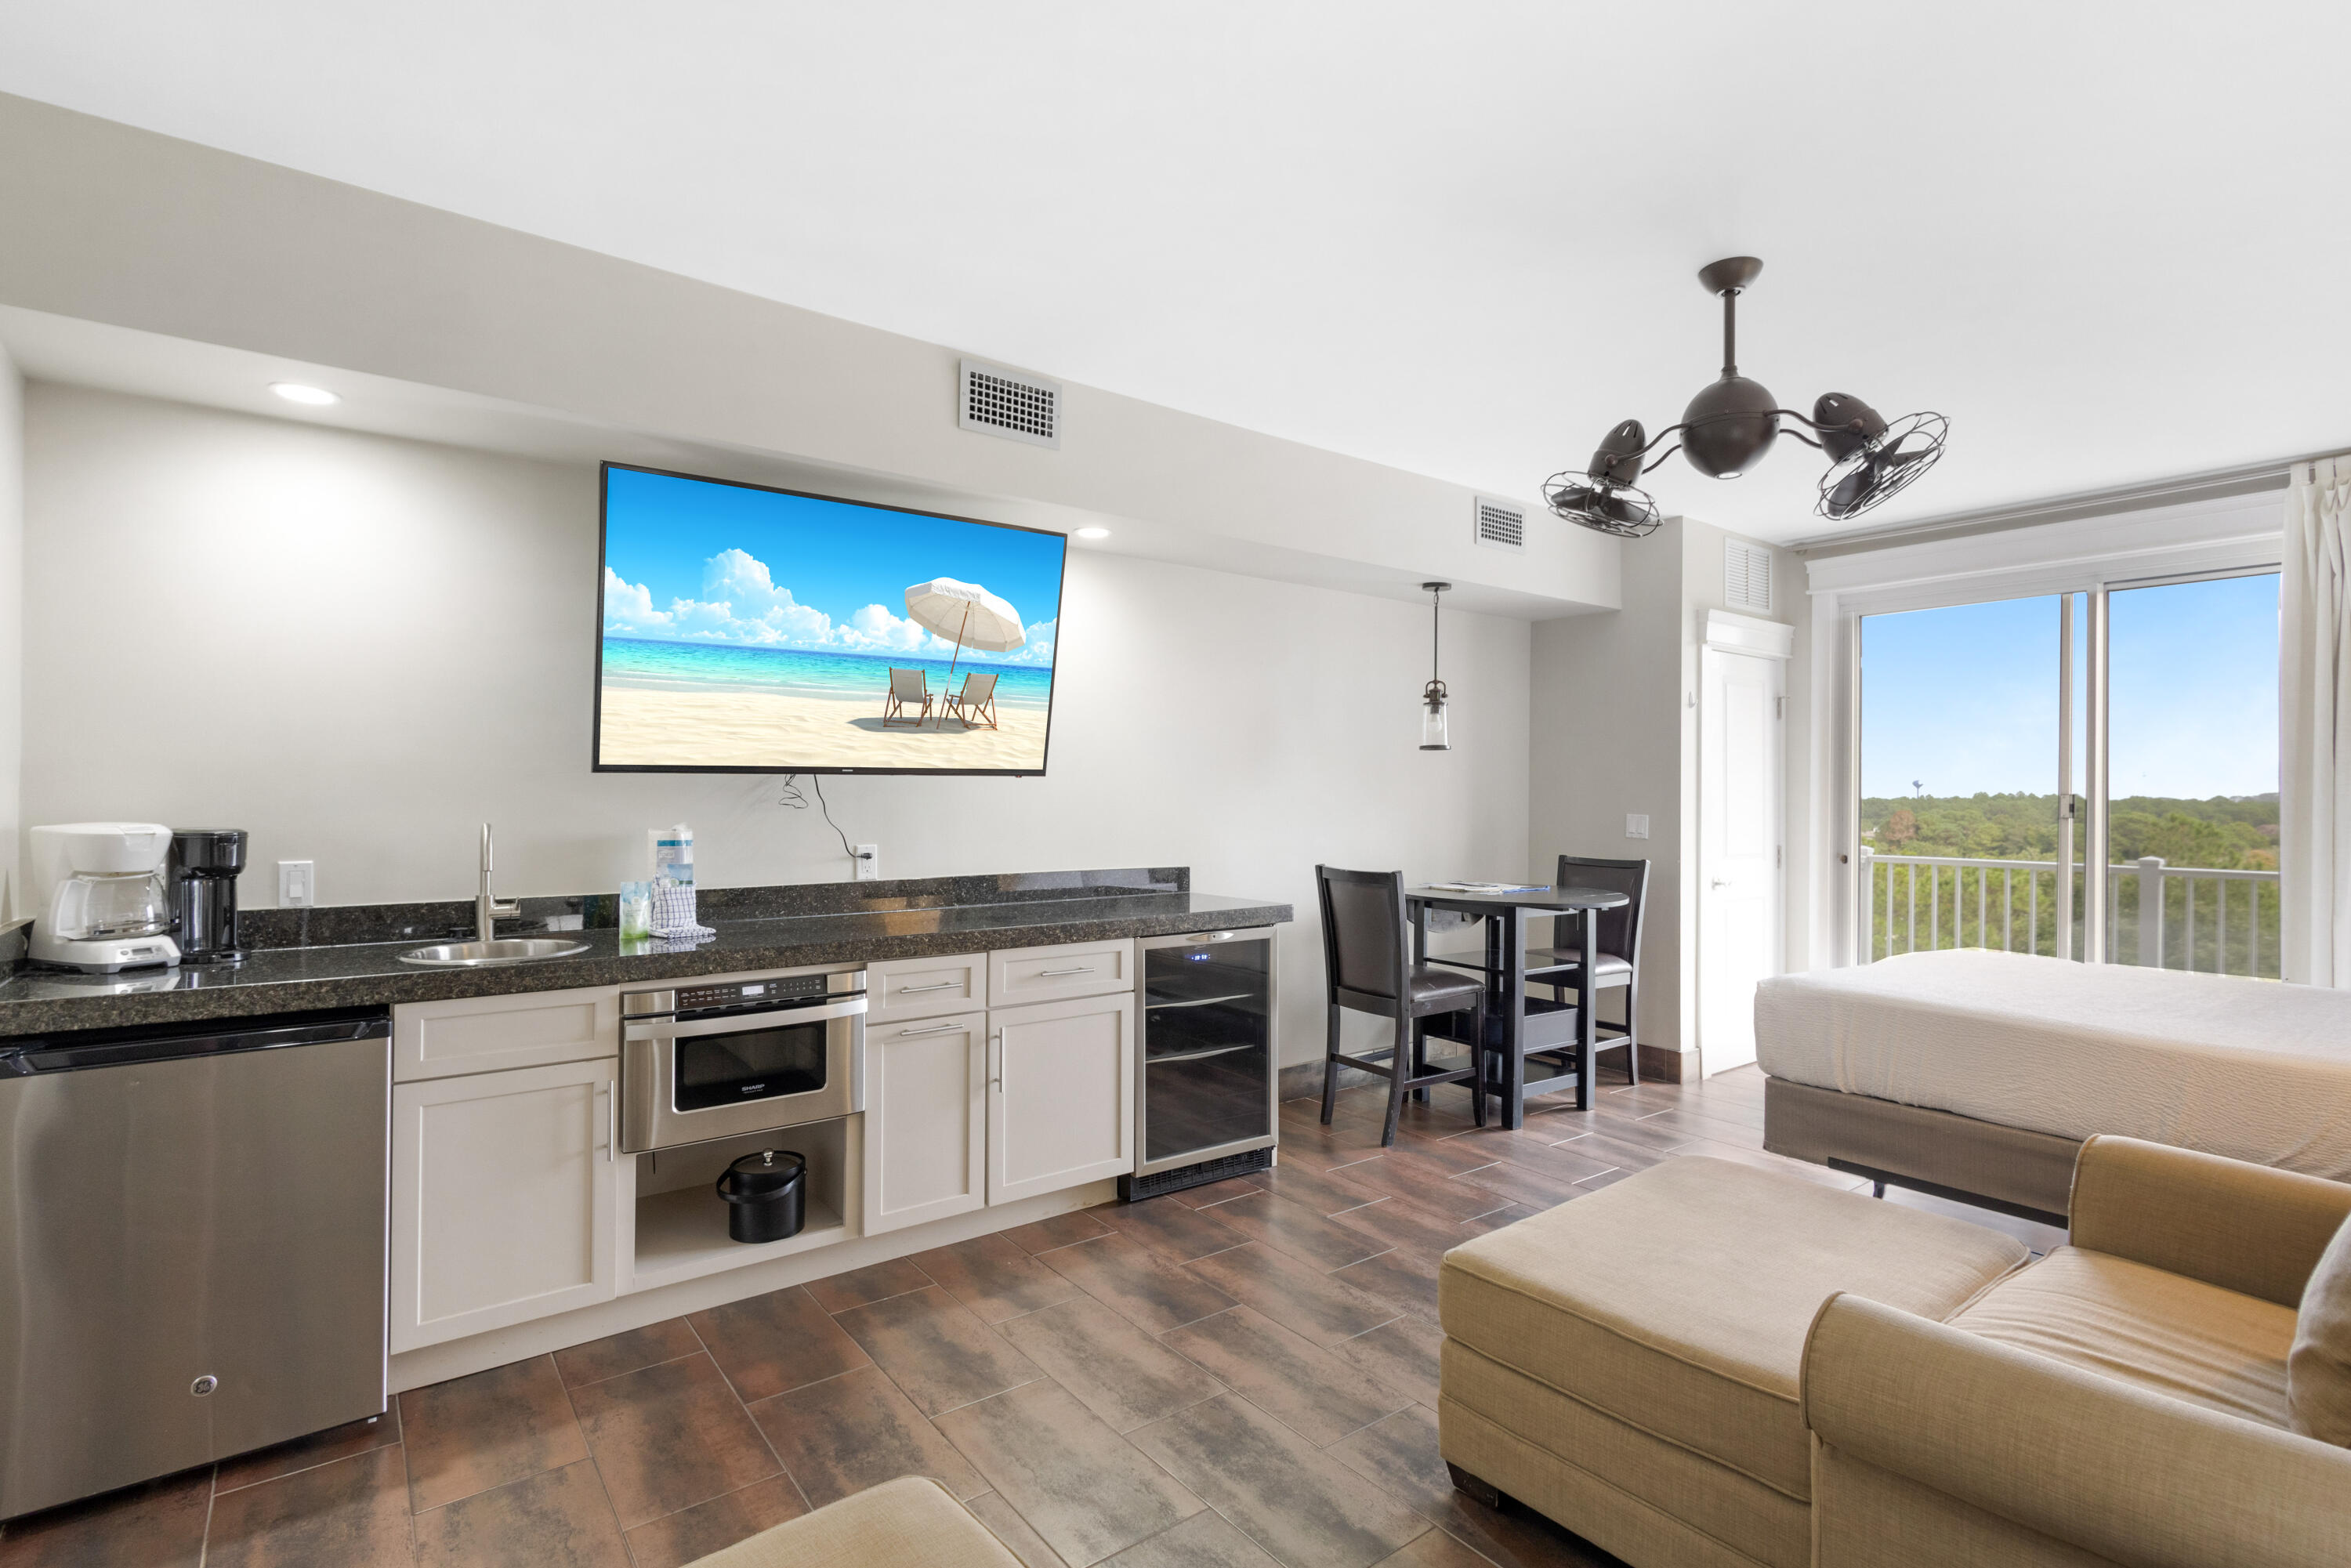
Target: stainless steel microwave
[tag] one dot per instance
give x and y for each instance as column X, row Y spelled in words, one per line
column 712, row 1061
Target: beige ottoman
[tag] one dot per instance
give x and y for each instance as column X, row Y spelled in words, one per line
column 1627, row 1363
column 910, row 1523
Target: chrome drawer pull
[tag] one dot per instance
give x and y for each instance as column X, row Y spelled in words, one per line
column 933, row 1028
column 917, row 990
column 1057, row 974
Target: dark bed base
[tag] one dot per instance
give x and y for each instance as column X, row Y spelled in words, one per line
column 2006, row 1169
column 1883, row 1180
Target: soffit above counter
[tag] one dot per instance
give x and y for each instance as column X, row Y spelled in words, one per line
column 163, row 268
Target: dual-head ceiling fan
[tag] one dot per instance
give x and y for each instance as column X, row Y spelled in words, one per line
column 1727, row 428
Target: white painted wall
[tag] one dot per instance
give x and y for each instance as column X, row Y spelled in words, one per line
column 1605, row 695
column 113, row 224
column 359, row 647
column 12, row 632
column 1614, row 731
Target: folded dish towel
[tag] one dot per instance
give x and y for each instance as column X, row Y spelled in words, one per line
column 674, row 918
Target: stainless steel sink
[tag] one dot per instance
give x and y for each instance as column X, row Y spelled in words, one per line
column 484, row 955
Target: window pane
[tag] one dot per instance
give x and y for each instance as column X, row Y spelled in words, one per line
column 2192, row 775
column 1959, row 763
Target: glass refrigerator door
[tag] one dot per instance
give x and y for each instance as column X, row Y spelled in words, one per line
column 1206, row 1060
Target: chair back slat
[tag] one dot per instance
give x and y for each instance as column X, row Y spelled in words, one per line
column 1620, row 928
column 978, row 688
column 906, row 685
column 1364, row 947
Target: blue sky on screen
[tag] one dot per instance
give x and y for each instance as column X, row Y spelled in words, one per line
column 696, row 560
column 1965, row 699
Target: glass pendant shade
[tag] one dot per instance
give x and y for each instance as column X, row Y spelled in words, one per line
column 1433, row 736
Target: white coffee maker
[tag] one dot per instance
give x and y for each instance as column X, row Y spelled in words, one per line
column 101, row 884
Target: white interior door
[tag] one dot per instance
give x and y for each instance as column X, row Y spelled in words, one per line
column 1741, row 701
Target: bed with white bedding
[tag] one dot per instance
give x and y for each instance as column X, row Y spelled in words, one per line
column 1979, row 1073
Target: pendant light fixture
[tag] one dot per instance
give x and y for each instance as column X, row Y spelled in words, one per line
column 1432, row 696
column 1727, row 428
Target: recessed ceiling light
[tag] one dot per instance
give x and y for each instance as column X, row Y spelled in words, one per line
column 295, row 392
column 1094, row 533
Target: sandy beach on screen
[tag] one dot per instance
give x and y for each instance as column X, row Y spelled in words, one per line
column 777, row 729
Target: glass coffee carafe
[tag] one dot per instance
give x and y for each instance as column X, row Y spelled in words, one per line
column 98, row 907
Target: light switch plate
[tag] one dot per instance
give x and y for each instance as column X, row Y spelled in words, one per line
column 1636, row 824
column 869, row 862
column 298, row 884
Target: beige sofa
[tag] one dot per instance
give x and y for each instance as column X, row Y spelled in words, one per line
column 1709, row 1365
column 2122, row 1400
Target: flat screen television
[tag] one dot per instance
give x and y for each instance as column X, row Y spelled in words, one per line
column 748, row 630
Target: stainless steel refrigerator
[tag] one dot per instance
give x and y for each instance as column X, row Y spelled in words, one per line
column 192, row 1246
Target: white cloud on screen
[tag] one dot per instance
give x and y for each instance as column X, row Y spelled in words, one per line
column 741, row 603
column 1038, row 650
column 629, row 606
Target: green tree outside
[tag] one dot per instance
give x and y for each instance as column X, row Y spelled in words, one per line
column 2228, row 926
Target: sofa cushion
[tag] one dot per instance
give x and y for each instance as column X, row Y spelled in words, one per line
column 910, row 1523
column 2139, row 1325
column 2319, row 1369
column 1677, row 1299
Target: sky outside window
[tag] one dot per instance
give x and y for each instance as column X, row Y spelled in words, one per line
column 1964, row 699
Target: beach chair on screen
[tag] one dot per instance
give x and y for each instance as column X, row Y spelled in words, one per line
column 975, row 703
column 909, row 693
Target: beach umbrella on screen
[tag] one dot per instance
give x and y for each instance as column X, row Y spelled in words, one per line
column 968, row 612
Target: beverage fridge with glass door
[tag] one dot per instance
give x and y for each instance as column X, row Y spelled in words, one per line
column 1207, row 1063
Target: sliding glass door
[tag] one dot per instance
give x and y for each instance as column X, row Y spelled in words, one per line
column 2192, row 775
column 2008, row 745
column 1963, row 786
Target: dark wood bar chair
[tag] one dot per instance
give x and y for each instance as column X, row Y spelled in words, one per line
column 1618, row 962
column 1367, row 960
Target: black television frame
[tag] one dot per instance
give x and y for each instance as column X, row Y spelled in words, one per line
column 596, row 763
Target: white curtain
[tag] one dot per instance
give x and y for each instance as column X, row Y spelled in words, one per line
column 2314, row 725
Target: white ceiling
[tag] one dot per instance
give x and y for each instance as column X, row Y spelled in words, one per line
column 1458, row 238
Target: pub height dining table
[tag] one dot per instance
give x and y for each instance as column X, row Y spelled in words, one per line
column 1515, row 1022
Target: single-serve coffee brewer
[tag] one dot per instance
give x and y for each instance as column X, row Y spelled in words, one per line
column 202, row 875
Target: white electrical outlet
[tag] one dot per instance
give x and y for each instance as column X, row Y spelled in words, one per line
column 869, row 862
column 1636, row 824
column 298, row 884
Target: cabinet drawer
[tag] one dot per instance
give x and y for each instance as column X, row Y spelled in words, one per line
column 925, row 987
column 1021, row 975
column 485, row 1034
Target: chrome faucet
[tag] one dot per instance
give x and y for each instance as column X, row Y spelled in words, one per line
column 487, row 910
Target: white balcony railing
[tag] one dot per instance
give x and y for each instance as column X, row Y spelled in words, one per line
column 2159, row 916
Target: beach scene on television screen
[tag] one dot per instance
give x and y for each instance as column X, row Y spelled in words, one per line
column 744, row 628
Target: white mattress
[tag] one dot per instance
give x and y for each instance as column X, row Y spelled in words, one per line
column 2245, row 1067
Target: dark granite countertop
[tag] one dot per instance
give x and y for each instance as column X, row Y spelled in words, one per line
column 369, row 974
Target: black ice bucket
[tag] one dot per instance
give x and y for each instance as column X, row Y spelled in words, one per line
column 766, row 1195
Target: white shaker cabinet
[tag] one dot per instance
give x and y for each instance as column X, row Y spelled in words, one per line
column 1060, row 1104
column 925, row 1118
column 502, row 1198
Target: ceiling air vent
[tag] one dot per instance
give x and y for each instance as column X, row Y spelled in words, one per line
column 1499, row 525
column 1747, row 575
column 1009, row 404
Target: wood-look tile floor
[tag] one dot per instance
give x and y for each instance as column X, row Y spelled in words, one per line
column 1244, row 1374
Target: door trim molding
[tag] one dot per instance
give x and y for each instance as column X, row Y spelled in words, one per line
column 1749, row 634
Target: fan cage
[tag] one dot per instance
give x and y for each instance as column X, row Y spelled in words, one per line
column 1929, row 424
column 1570, row 494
